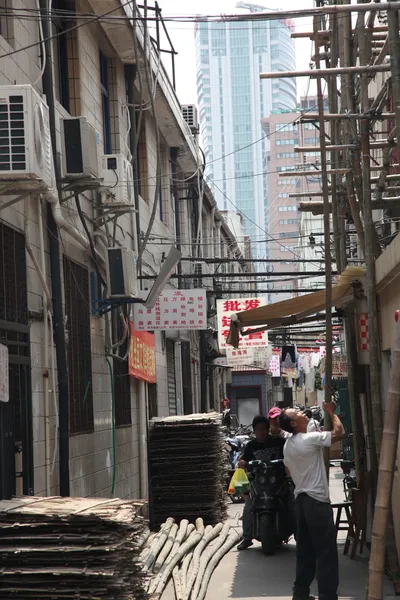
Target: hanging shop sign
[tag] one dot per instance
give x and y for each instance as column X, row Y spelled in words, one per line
column 275, row 363
column 239, row 356
column 142, row 355
column 174, row 309
column 4, row 374
column 225, row 308
column 339, row 366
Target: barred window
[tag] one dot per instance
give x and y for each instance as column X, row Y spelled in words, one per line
column 79, row 352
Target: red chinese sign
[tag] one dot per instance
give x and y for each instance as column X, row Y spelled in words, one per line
column 142, row 355
column 225, row 308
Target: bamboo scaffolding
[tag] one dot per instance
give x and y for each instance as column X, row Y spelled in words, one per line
column 343, row 116
column 319, row 73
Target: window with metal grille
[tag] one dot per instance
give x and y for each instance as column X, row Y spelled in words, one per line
column 122, row 389
column 105, row 103
column 79, row 352
column 63, row 44
column 7, row 22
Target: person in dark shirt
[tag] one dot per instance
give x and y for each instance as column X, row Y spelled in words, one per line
column 264, row 447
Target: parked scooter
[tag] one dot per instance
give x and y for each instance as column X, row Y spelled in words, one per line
column 271, row 492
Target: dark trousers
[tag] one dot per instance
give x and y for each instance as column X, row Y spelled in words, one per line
column 316, row 549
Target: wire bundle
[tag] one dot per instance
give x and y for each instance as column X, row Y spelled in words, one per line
column 63, row 548
column 187, row 469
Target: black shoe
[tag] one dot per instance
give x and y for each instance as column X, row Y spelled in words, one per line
column 295, row 597
column 244, row 544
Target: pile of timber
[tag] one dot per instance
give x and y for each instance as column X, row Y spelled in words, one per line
column 187, row 469
column 63, row 548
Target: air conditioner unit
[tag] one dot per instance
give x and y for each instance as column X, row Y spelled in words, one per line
column 117, row 179
column 121, row 273
column 79, row 140
column 26, row 159
column 190, row 114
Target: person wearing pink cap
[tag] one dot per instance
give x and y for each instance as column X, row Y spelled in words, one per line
column 274, row 425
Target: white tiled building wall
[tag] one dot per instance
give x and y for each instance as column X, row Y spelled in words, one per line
column 91, row 457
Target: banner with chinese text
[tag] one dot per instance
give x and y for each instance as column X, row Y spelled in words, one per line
column 339, row 366
column 275, row 363
column 142, row 355
column 224, row 310
column 174, row 309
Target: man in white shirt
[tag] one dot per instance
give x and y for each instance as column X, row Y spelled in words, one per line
column 316, row 549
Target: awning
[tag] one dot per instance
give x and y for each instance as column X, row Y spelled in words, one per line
column 273, row 315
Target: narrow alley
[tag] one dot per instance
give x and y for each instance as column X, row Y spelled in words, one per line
column 250, row 575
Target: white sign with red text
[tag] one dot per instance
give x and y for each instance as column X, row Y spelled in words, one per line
column 275, row 363
column 225, row 308
column 174, row 309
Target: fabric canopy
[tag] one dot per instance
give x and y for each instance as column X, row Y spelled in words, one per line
column 272, row 315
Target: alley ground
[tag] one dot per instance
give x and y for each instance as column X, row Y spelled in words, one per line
column 250, row 575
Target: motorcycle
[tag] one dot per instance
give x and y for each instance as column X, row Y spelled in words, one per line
column 349, row 479
column 271, row 493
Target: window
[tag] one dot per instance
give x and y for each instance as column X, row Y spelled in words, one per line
column 287, row 181
column 7, row 22
column 122, row 388
column 287, row 234
column 105, row 104
column 283, row 195
column 286, row 208
column 288, row 221
column 286, row 155
column 286, row 248
column 79, row 352
column 285, row 126
column 287, row 142
column 60, row 53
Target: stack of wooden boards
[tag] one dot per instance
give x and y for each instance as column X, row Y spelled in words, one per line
column 63, row 548
column 187, row 469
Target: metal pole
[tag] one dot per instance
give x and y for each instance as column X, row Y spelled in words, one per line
column 346, row 116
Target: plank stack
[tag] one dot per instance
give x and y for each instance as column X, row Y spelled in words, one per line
column 63, row 548
column 187, row 469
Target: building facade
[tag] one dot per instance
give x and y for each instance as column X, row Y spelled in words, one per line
column 61, row 233
column 289, row 229
column 232, row 99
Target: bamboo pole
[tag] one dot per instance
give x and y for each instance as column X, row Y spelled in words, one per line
column 371, row 253
column 327, row 237
column 346, row 116
column 394, row 47
column 314, row 172
column 319, row 73
column 334, row 147
column 385, row 478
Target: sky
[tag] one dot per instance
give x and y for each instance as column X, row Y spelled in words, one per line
column 182, row 36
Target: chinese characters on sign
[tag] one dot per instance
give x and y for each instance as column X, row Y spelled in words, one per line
column 4, row 391
column 275, row 363
column 174, row 309
column 142, row 355
column 339, row 366
column 224, row 310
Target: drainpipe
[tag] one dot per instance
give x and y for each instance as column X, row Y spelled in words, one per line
column 143, row 463
column 41, row 271
column 130, row 73
column 55, row 269
column 174, row 158
column 203, row 373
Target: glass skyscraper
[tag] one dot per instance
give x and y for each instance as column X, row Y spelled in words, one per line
column 232, row 100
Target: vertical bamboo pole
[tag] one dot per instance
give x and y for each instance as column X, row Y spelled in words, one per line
column 327, row 237
column 373, row 340
column 385, row 478
column 394, row 49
